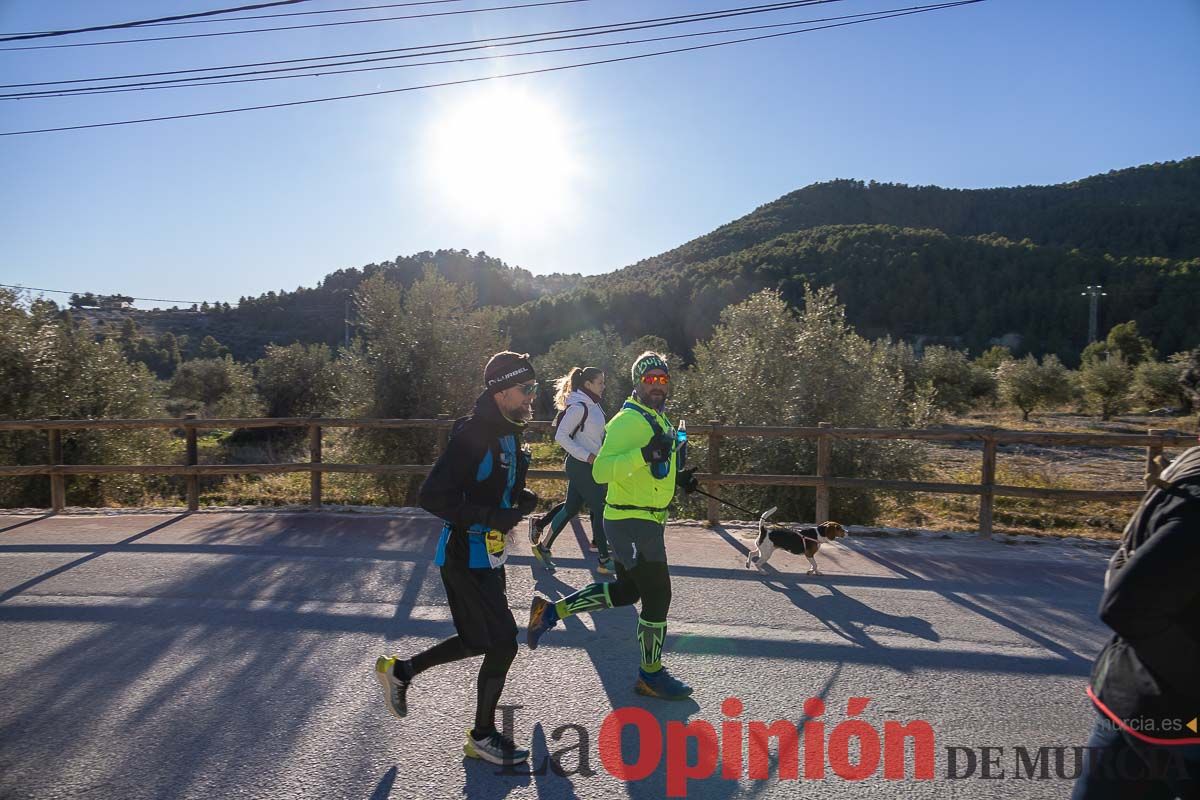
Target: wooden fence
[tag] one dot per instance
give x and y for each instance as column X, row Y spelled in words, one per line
column 824, row 481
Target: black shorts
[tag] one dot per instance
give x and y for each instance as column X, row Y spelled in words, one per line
column 479, row 606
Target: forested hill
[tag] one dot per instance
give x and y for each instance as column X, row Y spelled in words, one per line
column 962, row 266
column 966, row 266
column 899, row 282
column 320, row 314
column 1152, row 210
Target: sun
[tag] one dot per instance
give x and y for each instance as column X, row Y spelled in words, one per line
column 503, row 157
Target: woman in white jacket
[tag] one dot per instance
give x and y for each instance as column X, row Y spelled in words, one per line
column 580, row 431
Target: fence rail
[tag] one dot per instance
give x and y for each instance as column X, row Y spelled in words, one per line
column 1154, row 441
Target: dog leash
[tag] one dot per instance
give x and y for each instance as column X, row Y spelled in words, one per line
column 726, row 502
column 751, row 513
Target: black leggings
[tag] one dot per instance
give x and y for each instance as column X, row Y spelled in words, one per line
column 492, row 672
column 485, row 626
column 649, row 582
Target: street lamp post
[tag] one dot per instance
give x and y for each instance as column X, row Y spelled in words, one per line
column 1093, row 294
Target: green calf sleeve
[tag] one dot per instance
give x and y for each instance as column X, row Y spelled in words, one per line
column 590, row 598
column 650, row 638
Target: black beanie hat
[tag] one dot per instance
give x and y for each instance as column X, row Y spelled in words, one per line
column 507, row 369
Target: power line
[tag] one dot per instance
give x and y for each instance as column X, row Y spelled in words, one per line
column 45, row 34
column 159, row 299
column 296, row 27
column 60, row 291
column 217, row 80
column 589, row 30
column 156, row 23
column 915, row 10
column 322, row 11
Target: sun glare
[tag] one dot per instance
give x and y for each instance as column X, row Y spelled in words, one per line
column 503, row 158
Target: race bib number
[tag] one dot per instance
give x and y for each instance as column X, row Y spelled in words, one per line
column 494, row 541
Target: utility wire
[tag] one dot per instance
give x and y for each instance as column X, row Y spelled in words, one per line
column 318, row 311
column 295, row 27
column 162, row 23
column 217, row 80
column 46, row 34
column 618, row 28
column 589, row 30
column 919, row 10
column 60, row 291
column 323, row 11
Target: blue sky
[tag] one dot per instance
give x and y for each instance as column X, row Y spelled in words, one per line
column 597, row 167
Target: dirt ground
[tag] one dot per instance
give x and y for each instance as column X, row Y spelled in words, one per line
column 1067, row 467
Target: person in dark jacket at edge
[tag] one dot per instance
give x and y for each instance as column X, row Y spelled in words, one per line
column 1145, row 683
column 477, row 487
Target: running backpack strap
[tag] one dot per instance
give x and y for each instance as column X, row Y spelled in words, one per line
column 579, row 427
column 558, row 418
column 654, row 426
column 656, row 430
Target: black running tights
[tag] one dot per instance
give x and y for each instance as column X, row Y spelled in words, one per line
column 492, row 672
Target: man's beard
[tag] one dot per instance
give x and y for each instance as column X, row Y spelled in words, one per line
column 520, row 414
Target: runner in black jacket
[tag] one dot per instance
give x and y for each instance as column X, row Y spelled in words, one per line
column 478, row 488
column 1146, row 681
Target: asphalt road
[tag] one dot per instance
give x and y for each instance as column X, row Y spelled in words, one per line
column 231, row 655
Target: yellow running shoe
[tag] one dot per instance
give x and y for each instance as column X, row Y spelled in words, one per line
column 395, row 690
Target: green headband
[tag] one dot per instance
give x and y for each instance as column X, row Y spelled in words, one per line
column 645, row 364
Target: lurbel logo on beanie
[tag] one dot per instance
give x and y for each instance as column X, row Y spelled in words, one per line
column 505, row 370
column 518, row 374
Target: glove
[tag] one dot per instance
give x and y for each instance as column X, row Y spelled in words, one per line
column 658, row 450
column 504, row 519
column 527, row 504
column 686, row 479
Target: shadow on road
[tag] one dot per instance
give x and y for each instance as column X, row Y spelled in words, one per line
column 226, row 658
column 22, row 524
column 16, row 590
column 849, row 618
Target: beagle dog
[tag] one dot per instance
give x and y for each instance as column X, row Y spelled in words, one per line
column 806, row 541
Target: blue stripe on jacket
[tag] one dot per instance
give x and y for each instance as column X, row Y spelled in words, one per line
column 477, row 552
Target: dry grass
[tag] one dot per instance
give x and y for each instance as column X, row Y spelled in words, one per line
column 1035, row 466
column 1017, row 465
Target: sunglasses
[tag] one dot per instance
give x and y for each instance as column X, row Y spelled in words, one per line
column 528, row 388
column 660, row 380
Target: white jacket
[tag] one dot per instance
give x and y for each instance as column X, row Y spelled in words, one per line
column 587, row 442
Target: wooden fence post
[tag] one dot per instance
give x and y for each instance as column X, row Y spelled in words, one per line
column 714, row 468
column 1153, row 452
column 443, row 437
column 824, row 463
column 314, row 455
column 987, row 483
column 58, row 486
column 193, row 458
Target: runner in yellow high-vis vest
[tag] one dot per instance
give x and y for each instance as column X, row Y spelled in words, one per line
column 640, row 461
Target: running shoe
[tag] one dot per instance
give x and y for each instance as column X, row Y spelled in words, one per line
column 541, row 619
column 495, row 748
column 606, row 567
column 542, row 554
column 535, row 531
column 661, row 684
column 395, row 691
